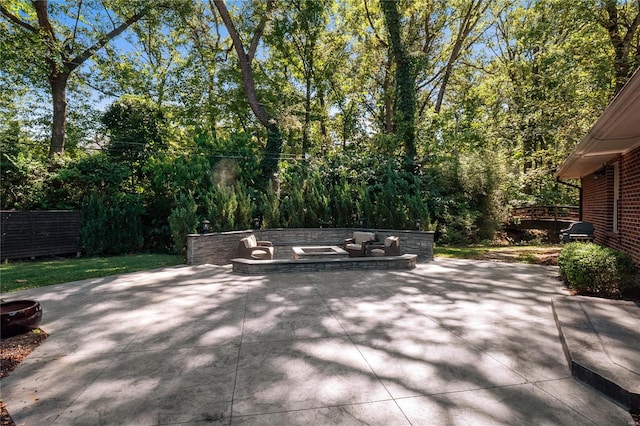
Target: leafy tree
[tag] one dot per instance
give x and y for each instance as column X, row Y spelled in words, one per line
column 92, row 174
column 365, row 102
column 297, row 40
column 206, row 105
column 547, row 86
column 57, row 40
column 183, row 220
column 22, row 172
column 621, row 20
column 112, row 226
column 469, row 16
column 136, row 128
column 245, row 57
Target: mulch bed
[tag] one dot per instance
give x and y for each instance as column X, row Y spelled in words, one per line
column 540, row 256
column 13, row 350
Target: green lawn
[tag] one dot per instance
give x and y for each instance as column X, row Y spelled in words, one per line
column 460, row 252
column 23, row 275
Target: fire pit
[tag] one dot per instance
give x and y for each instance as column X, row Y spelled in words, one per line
column 19, row 316
column 318, row 252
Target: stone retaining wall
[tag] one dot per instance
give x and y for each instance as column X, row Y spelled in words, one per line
column 260, row 267
column 220, row 247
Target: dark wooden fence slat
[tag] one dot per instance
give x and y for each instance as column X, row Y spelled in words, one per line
column 27, row 234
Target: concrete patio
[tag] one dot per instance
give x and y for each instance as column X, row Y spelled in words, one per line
column 450, row 342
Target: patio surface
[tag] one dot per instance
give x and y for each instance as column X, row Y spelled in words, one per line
column 451, row 342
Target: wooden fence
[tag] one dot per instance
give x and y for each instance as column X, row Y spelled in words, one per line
column 31, row 234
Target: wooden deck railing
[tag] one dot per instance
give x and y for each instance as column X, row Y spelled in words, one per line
column 546, row 213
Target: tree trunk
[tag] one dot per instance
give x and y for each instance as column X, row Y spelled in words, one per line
column 405, row 81
column 323, row 120
column 388, row 113
column 61, row 62
column 58, row 83
column 271, row 153
column 307, row 115
column 623, row 61
column 274, row 144
column 467, row 24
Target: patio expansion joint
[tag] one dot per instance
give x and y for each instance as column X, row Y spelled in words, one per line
column 235, row 378
column 555, row 397
column 318, row 407
column 97, row 376
column 471, row 344
column 355, row 345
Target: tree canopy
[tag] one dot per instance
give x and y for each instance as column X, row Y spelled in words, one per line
column 481, row 98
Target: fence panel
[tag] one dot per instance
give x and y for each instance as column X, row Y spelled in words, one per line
column 29, row 234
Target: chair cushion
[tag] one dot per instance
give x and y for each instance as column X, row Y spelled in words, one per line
column 361, row 237
column 249, row 241
column 260, row 254
column 377, row 252
column 353, row 246
column 388, row 242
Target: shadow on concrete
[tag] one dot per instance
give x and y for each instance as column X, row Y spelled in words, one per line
column 450, row 342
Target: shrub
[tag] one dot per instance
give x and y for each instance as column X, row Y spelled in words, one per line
column 589, row 268
column 112, row 226
column 270, row 209
column 183, row 220
column 94, row 218
column 227, row 207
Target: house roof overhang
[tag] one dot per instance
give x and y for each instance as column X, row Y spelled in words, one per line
column 615, row 133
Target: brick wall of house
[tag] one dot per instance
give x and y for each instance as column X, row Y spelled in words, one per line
column 598, row 202
column 629, row 204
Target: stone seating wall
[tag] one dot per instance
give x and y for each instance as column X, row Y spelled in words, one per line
column 220, row 247
column 260, row 267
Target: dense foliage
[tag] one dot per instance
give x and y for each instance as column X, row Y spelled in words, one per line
column 591, row 269
column 299, row 112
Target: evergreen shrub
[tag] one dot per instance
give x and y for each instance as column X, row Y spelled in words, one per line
column 112, row 226
column 589, row 268
column 183, row 220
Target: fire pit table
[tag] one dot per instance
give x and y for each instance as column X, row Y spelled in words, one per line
column 315, row 252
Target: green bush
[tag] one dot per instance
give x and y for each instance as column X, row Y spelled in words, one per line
column 589, row 268
column 94, row 218
column 112, row 226
column 183, row 220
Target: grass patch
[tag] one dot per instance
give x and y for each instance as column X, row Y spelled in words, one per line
column 460, row 252
column 23, row 275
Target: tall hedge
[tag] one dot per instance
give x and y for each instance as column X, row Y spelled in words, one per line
column 112, row 226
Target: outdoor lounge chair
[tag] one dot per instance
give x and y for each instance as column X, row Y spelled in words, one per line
column 578, row 231
column 390, row 247
column 249, row 248
column 357, row 246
